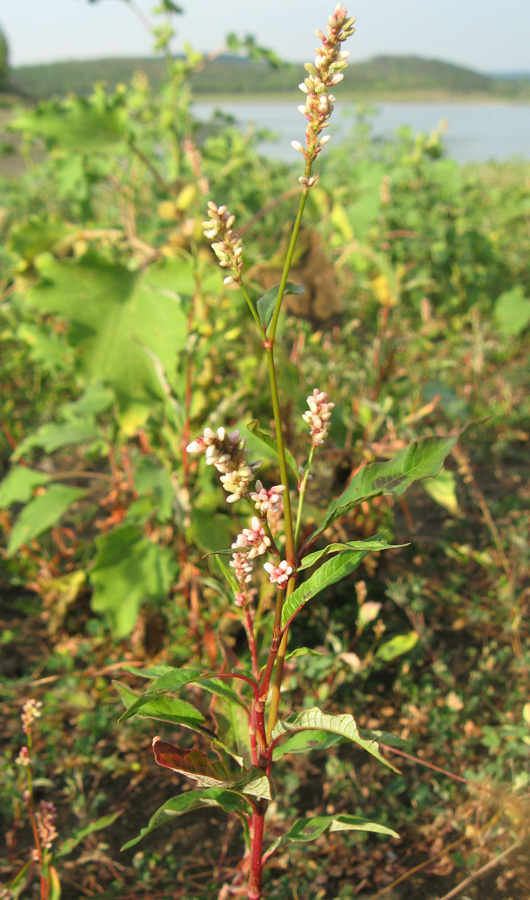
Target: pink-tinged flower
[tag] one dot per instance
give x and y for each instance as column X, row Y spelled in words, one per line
column 253, row 539
column 324, row 73
column 228, row 454
column 279, row 574
column 270, row 500
column 45, row 819
column 23, row 758
column 226, row 245
column 30, row 712
column 242, row 568
column 318, row 416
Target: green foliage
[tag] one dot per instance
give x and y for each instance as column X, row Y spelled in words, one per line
column 129, row 570
column 42, row 513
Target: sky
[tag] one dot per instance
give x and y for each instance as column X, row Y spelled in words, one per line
column 480, row 34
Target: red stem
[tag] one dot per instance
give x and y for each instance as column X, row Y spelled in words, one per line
column 255, row 881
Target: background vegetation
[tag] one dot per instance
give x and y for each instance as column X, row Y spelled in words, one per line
column 384, row 76
column 119, row 341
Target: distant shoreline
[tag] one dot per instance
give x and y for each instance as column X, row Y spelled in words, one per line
column 367, row 99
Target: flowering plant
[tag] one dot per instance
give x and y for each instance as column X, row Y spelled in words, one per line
column 238, row 775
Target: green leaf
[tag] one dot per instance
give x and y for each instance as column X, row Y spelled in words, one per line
column 42, row 513
column 331, row 571
column 304, row 742
column 93, row 125
column 265, row 305
column 310, row 829
column 114, row 315
column 397, row 646
column 53, row 436
column 512, row 311
column 232, row 730
column 164, row 709
column 442, row 489
column 94, row 400
column 97, row 825
column 49, row 350
column 175, row 680
column 153, row 481
column 129, row 570
column 209, row 773
column 421, row 459
column 272, row 443
column 371, row 545
column 229, row 801
column 304, row 651
column 19, row 484
column 315, row 720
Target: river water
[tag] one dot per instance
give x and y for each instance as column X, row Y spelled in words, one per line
column 476, row 132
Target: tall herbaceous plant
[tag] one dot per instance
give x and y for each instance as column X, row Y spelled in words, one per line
column 270, row 559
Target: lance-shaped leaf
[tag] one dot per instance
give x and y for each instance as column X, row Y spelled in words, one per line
column 333, row 570
column 164, row 709
column 304, row 742
column 373, row 545
column 208, row 773
column 421, row 459
column 97, row 825
column 273, row 444
column 310, row 829
column 229, row 801
column 175, row 680
column 266, row 304
column 315, row 720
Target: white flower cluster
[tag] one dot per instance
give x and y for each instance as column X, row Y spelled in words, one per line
column 318, row 416
column 267, row 501
column 30, row 711
column 326, row 71
column 226, row 244
column 227, row 453
column 250, row 543
column 279, row 574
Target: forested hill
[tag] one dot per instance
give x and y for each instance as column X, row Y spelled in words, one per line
column 383, row 76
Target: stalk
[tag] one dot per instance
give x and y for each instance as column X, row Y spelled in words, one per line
column 255, row 882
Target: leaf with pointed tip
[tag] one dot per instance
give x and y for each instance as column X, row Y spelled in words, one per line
column 372, row 545
column 304, row 742
column 272, row 443
column 176, row 679
column 195, row 765
column 304, row 651
column 164, row 709
column 265, row 305
column 331, row 571
column 310, row 829
column 397, row 646
column 96, row 825
column 229, row 801
column 343, row 725
column 421, row 459
column 19, row 484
